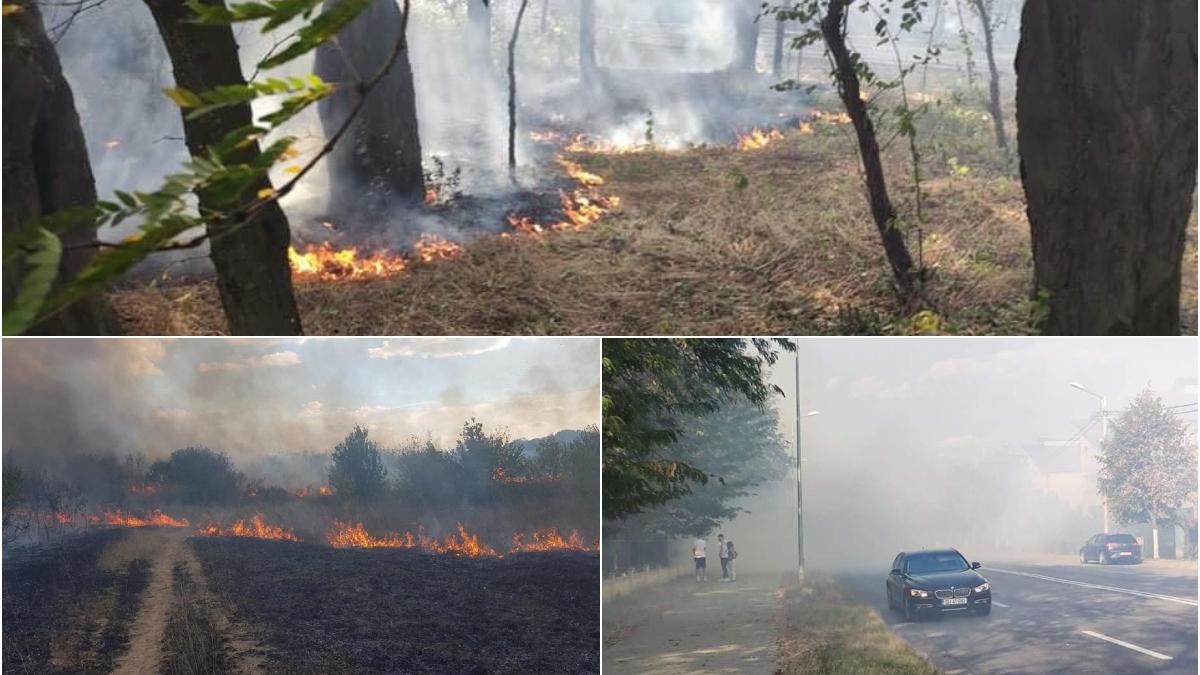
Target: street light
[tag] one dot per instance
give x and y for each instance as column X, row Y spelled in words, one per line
column 799, row 481
column 1103, row 431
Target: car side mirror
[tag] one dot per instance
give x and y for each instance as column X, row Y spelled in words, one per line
column 975, row 565
column 895, row 571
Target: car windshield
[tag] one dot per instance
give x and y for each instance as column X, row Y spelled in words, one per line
column 925, row 563
column 1122, row 539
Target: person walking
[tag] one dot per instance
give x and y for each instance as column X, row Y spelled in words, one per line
column 723, row 555
column 732, row 557
column 699, row 553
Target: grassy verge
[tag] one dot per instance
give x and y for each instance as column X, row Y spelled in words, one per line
column 826, row 632
column 192, row 642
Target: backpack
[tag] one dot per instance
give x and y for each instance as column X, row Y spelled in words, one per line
column 732, row 551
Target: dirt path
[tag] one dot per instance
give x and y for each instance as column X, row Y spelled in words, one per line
column 165, row 549
column 703, row 628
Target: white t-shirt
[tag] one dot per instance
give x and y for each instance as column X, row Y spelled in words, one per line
column 698, row 548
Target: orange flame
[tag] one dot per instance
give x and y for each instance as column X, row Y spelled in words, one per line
column 155, row 519
column 758, row 139
column 257, row 528
column 323, row 491
column 548, row 539
column 431, row 247
column 328, row 264
column 345, row 535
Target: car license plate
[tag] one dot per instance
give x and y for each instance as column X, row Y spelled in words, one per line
column 954, row 601
column 1126, row 552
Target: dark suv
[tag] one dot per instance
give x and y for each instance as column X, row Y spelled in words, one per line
column 1107, row 549
column 924, row 583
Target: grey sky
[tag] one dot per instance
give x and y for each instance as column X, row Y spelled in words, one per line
column 256, row 396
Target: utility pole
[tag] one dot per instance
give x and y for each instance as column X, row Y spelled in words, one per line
column 1103, row 432
column 799, row 481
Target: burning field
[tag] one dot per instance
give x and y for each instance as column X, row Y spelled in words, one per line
column 767, row 232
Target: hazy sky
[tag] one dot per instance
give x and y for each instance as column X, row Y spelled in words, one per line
column 251, row 396
column 963, row 395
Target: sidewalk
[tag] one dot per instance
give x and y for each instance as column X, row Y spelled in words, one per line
column 696, row 628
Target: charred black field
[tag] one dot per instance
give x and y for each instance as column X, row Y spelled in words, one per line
column 335, row 611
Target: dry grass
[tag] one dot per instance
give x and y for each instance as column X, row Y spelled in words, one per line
column 827, row 633
column 710, row 241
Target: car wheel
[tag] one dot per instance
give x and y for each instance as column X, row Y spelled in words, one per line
column 1082, row 558
column 891, row 602
column 985, row 610
column 1104, row 560
column 908, row 613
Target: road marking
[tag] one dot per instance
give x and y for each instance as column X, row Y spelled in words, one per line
column 1156, row 596
column 1126, row 645
column 1000, row 604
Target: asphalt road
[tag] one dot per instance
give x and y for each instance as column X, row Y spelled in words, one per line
column 1060, row 620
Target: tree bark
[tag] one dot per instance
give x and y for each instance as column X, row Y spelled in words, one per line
column 1106, row 119
column 46, row 167
column 377, row 164
column 587, row 39
column 745, row 30
column 833, row 29
column 777, row 54
column 250, row 257
column 994, row 81
column 512, row 87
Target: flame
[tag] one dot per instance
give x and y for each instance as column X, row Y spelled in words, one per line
column 758, row 139
column 548, row 539
column 142, row 489
column 155, row 519
column 431, row 194
column 581, row 207
column 582, row 143
column 63, row 518
column 324, row 491
column 257, row 528
column 829, row 117
column 579, row 174
column 345, row 535
column 806, row 128
column 329, row 264
column 431, row 247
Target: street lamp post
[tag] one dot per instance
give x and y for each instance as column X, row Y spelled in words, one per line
column 1103, row 432
column 799, row 478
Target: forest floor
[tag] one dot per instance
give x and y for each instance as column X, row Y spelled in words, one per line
column 715, row 240
column 156, row 600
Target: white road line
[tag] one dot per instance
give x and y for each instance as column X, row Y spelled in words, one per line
column 1126, row 645
column 1156, row 596
column 1000, row 604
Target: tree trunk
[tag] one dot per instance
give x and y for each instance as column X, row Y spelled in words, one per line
column 587, row 39
column 833, row 29
column 250, row 257
column 377, row 165
column 46, row 167
column 994, row 82
column 479, row 33
column 512, row 87
column 1154, row 533
column 745, row 27
column 1106, row 126
column 777, row 53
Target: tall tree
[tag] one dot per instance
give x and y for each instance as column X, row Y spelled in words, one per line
column 985, row 19
column 512, row 87
column 587, row 39
column 249, row 255
column 777, row 51
column 377, row 164
column 1148, row 464
column 357, row 470
column 833, row 29
column 1106, row 119
column 46, row 167
column 650, row 388
column 745, row 35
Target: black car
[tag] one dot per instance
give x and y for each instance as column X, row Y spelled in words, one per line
column 1108, row 549
column 928, row 583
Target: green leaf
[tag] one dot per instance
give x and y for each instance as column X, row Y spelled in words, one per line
column 320, row 30
column 42, row 270
column 182, row 97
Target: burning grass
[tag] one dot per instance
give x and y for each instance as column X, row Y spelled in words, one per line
column 323, row 609
column 709, row 241
column 256, row 528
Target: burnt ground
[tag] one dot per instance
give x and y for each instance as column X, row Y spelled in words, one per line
column 324, row 610
column 66, row 610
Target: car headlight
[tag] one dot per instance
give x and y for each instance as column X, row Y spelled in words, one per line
column 983, row 587
column 918, row 593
